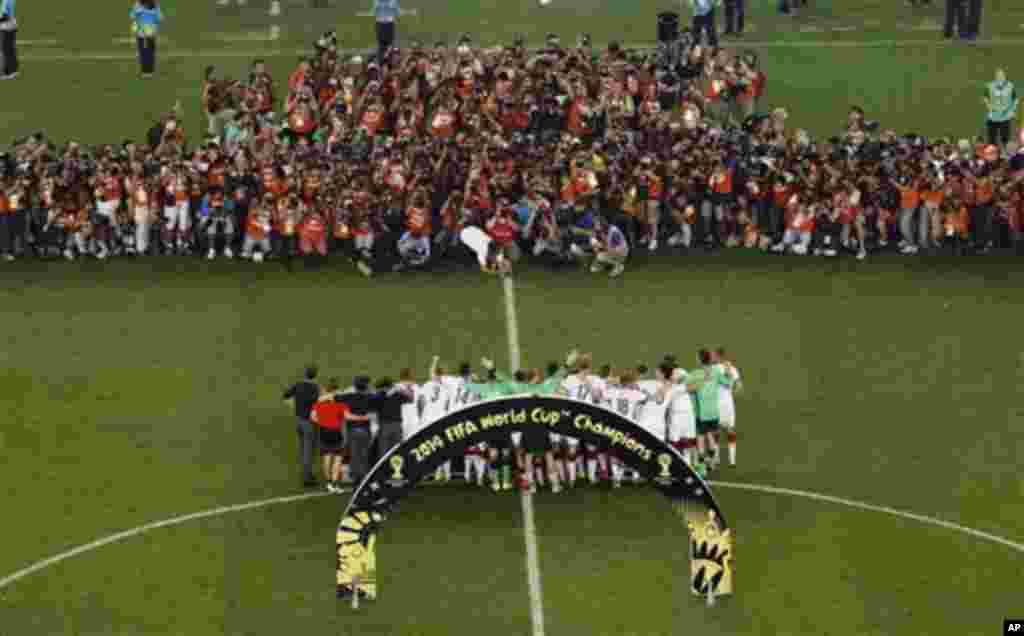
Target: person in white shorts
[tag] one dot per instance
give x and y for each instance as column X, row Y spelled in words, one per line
column 727, row 403
column 682, row 417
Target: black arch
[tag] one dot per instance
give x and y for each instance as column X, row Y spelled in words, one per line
column 398, row 472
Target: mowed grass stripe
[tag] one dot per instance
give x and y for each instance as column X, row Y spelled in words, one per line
column 65, row 55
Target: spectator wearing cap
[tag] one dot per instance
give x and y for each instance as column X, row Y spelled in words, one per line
column 386, row 13
column 146, row 18
column 304, row 395
column 8, row 40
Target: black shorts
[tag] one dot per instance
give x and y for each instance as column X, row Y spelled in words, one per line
column 706, row 426
column 331, row 442
column 536, row 441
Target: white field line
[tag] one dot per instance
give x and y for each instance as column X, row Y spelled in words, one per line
column 134, row 532
column 762, row 488
column 850, row 503
column 529, row 527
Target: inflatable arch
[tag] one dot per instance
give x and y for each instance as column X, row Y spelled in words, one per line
column 711, row 538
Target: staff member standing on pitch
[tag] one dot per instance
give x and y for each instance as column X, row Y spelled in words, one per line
column 146, row 18
column 304, row 395
column 358, row 433
column 386, row 13
column 8, row 40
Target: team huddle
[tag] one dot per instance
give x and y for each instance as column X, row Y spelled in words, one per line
column 690, row 409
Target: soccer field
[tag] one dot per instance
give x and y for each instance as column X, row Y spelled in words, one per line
column 141, row 391
column 150, row 479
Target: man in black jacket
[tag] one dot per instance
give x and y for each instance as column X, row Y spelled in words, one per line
column 388, row 403
column 361, row 404
column 303, row 396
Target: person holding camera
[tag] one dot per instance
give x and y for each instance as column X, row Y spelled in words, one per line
column 8, row 40
column 146, row 18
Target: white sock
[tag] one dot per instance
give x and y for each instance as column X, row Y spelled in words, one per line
column 732, row 452
column 571, row 465
column 617, row 471
column 592, row 469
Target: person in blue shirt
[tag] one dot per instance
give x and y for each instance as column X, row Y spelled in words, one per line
column 8, row 39
column 704, row 20
column 146, row 18
column 386, row 13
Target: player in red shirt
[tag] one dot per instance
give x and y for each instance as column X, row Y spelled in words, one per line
column 330, row 416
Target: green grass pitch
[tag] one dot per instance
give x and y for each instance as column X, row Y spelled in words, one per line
column 137, row 391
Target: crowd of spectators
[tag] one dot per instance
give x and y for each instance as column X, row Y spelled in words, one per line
column 384, row 159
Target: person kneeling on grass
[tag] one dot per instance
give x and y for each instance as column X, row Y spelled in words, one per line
column 413, row 250
column 610, row 248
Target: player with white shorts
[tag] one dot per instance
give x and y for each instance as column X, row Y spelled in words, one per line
column 727, row 403
column 627, row 400
column 585, row 387
column 682, row 417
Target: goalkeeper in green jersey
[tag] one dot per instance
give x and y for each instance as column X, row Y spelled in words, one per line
column 535, row 442
column 705, row 383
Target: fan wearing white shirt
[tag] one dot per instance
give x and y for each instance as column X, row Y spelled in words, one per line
column 727, row 403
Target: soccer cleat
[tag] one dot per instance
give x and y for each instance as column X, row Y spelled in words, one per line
column 228, row 253
column 652, row 245
column 9, row 257
column 596, row 267
column 9, row 76
column 675, row 240
column 617, row 271
column 862, row 254
column 69, row 255
column 211, row 254
column 365, row 269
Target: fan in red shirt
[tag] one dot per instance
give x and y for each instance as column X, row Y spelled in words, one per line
column 330, row 416
column 313, row 233
column 504, row 230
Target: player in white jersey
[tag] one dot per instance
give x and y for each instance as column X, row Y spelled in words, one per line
column 583, row 386
column 441, row 395
column 654, row 414
column 626, row 399
column 410, row 410
column 727, row 403
column 682, row 417
column 475, row 458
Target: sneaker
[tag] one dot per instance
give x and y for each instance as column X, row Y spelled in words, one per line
column 617, row 271
column 211, row 255
column 596, row 267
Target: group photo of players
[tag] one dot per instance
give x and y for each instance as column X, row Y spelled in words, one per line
column 693, row 409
